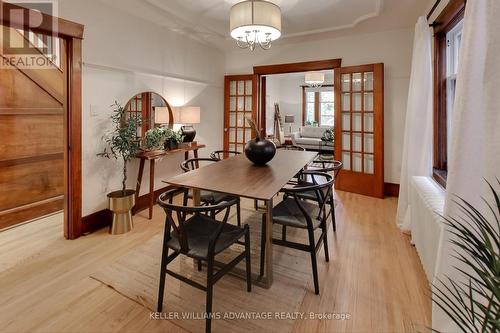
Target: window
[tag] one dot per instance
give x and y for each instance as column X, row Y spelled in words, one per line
column 453, row 41
column 448, row 36
column 318, row 106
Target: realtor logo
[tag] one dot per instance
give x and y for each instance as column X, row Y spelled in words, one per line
column 24, row 39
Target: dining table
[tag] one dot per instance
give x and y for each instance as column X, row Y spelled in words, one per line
column 237, row 176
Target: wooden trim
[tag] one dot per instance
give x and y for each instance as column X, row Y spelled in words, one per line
column 103, row 218
column 433, row 9
column 263, row 104
column 32, row 159
column 391, row 190
column 451, row 15
column 73, row 165
column 29, row 212
column 96, row 221
column 298, row 67
column 28, row 111
column 65, row 28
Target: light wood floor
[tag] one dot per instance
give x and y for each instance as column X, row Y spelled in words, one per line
column 374, row 275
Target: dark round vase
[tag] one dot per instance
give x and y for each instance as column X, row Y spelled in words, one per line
column 260, row 151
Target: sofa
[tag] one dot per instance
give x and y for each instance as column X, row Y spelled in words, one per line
column 309, row 138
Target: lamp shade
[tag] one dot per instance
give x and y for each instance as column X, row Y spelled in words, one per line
column 162, row 115
column 315, row 78
column 187, row 115
column 258, row 16
column 289, row 119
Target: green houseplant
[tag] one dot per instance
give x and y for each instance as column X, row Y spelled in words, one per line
column 172, row 139
column 121, row 144
column 473, row 302
column 154, row 138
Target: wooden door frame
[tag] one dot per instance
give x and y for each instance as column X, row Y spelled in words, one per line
column 255, row 89
column 72, row 33
column 296, row 67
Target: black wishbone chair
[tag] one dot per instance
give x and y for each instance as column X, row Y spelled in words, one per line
column 200, row 237
column 220, row 154
column 330, row 167
column 207, row 197
column 295, row 212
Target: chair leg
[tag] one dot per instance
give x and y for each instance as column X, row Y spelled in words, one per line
column 247, row 259
column 283, row 232
column 163, row 275
column 334, row 222
column 208, row 321
column 314, row 262
column 256, row 204
column 199, row 265
column 325, row 241
column 263, row 245
column 238, row 213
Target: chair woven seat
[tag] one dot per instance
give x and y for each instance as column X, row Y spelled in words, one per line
column 288, row 213
column 198, row 230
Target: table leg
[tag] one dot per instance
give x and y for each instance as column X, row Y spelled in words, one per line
column 196, row 197
column 139, row 181
column 195, row 153
column 268, row 281
column 151, row 187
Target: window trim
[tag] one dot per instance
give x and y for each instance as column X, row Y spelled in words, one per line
column 451, row 15
column 317, row 103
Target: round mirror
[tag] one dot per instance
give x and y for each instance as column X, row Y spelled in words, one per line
column 152, row 108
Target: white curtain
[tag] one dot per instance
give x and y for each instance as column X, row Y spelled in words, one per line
column 475, row 147
column 417, row 146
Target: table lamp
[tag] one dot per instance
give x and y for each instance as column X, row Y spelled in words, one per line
column 187, row 116
column 162, row 116
column 290, row 119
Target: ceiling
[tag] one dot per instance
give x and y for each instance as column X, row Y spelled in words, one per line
column 208, row 20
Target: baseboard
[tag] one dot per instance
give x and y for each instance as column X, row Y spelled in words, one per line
column 29, row 212
column 103, row 218
column 391, row 190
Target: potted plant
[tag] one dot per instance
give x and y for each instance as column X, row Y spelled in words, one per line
column 172, row 139
column 154, row 139
column 471, row 299
column 121, row 144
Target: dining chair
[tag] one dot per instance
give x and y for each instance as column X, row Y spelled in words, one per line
column 207, row 197
column 296, row 212
column 200, row 237
column 220, row 154
column 330, row 167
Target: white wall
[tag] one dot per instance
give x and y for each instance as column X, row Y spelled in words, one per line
column 155, row 59
column 393, row 48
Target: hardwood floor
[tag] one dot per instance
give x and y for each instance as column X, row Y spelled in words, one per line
column 374, row 275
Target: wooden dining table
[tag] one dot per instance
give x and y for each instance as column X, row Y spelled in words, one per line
column 239, row 177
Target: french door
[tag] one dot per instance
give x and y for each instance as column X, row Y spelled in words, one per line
column 359, row 129
column 240, row 102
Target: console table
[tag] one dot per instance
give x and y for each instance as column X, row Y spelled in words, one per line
column 152, row 156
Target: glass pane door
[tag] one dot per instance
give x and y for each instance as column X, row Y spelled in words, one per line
column 240, row 104
column 359, row 135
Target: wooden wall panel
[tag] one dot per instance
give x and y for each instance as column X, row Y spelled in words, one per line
column 19, row 92
column 30, row 182
column 33, row 106
column 31, row 135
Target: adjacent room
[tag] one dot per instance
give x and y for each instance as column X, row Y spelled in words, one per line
column 249, row 166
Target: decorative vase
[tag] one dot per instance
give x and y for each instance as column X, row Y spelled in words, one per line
column 171, row 144
column 121, row 203
column 260, row 151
